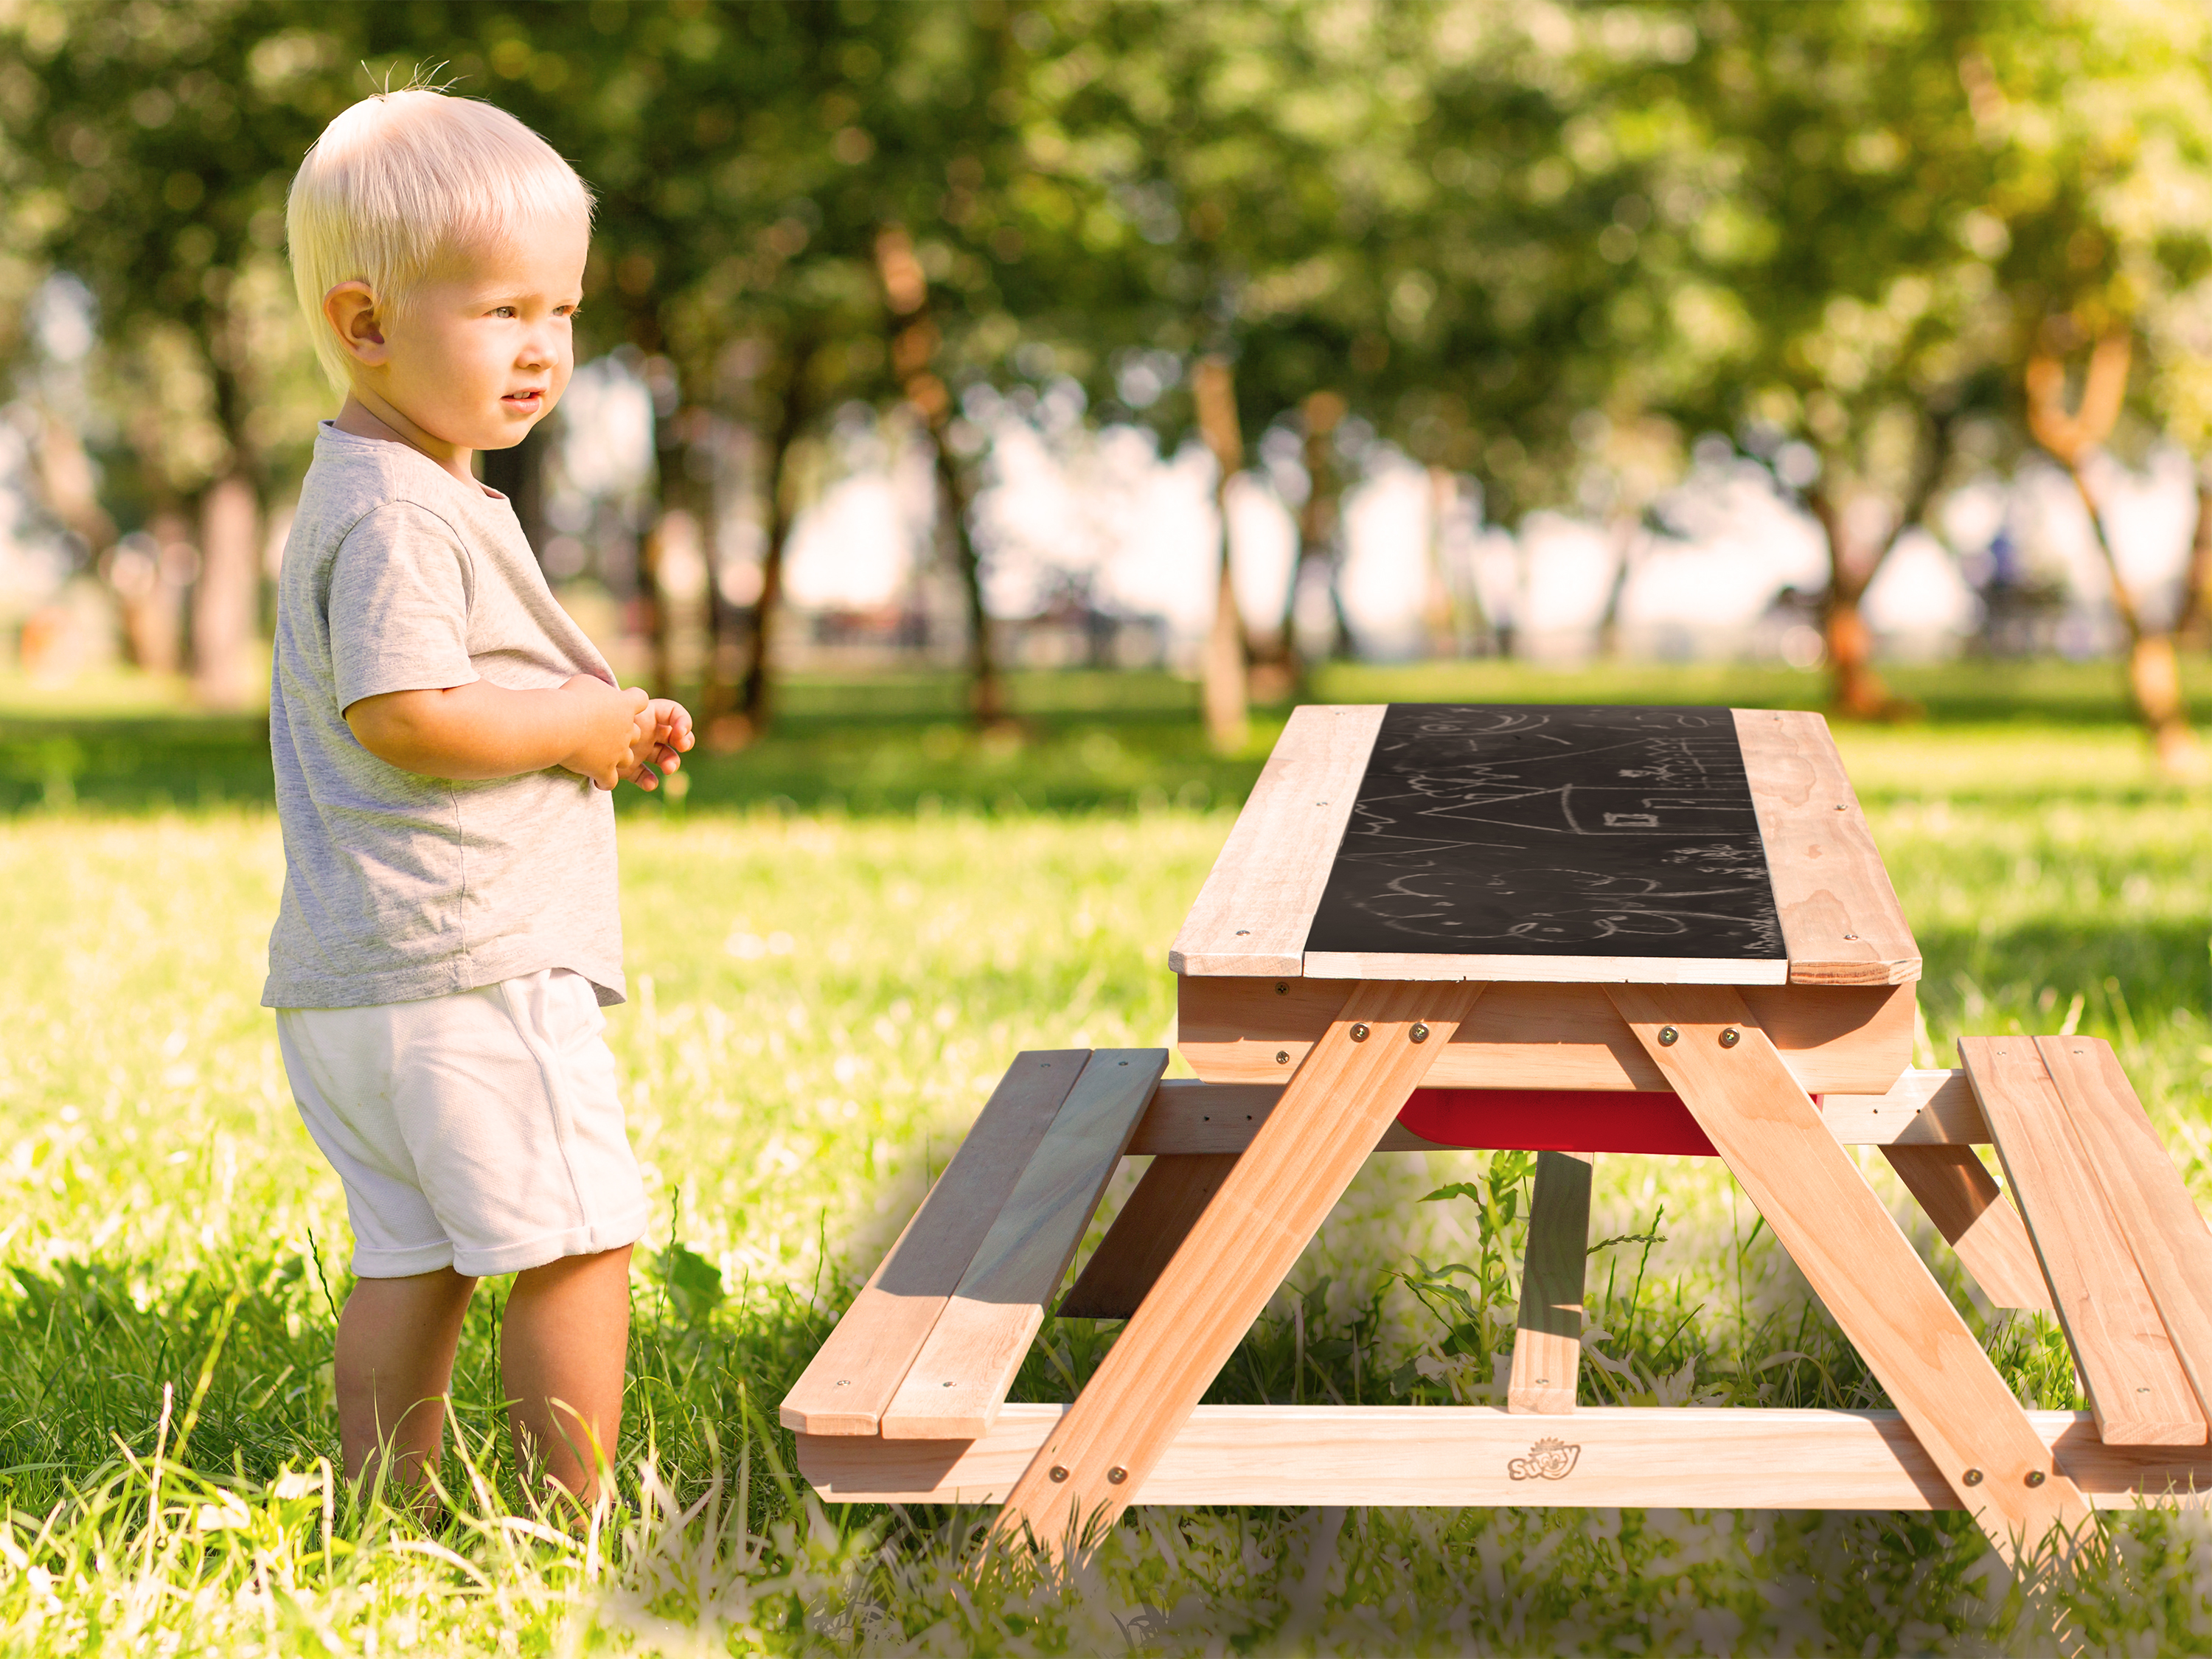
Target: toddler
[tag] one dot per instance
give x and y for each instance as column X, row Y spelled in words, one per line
column 445, row 742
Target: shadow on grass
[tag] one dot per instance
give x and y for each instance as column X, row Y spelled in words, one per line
column 1086, row 740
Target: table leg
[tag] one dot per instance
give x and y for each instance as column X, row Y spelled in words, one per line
column 1856, row 1260
column 1346, row 1091
column 1547, row 1346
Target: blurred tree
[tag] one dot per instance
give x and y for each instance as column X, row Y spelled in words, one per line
column 151, row 147
column 2100, row 119
column 1839, row 314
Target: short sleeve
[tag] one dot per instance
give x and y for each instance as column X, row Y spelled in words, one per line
column 399, row 594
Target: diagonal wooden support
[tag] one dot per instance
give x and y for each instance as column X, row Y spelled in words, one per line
column 1547, row 1346
column 1347, row 1092
column 1156, row 1218
column 1857, row 1262
column 1950, row 1184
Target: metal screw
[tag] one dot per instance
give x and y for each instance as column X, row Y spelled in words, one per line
column 945, row 1385
column 2037, row 1477
column 1243, row 932
column 1850, row 936
column 1060, row 1472
column 1282, row 990
column 1841, row 809
column 1117, row 1475
column 1971, row 1477
column 1282, row 1056
column 1360, row 1033
column 844, row 1382
column 1731, row 1037
column 1669, row 1037
column 1420, row 1033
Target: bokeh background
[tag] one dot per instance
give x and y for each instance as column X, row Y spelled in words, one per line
column 1220, row 341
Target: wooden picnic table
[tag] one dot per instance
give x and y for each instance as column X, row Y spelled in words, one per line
column 1572, row 930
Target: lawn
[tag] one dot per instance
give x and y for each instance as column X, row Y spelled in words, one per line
column 836, row 944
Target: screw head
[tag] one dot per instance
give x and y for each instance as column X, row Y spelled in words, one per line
column 1117, row 1475
column 1971, row 1477
column 1731, row 1037
column 1420, row 1033
column 1282, row 1056
column 1282, row 990
column 1060, row 1472
column 1360, row 1033
column 1669, row 1037
column 2037, row 1477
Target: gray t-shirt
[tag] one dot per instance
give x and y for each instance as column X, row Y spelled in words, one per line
column 400, row 577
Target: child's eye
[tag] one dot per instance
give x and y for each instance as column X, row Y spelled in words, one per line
column 503, row 310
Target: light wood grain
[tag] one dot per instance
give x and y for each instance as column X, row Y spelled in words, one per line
column 1153, row 1221
column 959, row 1380
column 2129, row 1368
column 2172, row 1249
column 1547, row 970
column 1841, row 922
column 1257, row 905
column 854, row 1375
column 1335, row 1110
column 1922, row 1108
column 1548, row 1348
column 1849, row 1250
column 1449, row 1456
column 1958, row 1194
column 1856, row 1040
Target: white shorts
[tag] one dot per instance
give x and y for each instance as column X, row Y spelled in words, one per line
column 481, row 1130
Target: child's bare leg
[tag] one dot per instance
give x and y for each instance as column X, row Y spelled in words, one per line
column 394, row 1362
column 566, row 1337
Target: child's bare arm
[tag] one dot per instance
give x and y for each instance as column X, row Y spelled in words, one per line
column 482, row 731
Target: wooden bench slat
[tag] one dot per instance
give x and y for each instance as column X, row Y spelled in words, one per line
column 1841, row 922
column 1153, row 1221
column 2172, row 1249
column 1257, row 905
column 2129, row 1368
column 958, row 1381
column 856, row 1373
column 1950, row 1184
column 1548, row 1346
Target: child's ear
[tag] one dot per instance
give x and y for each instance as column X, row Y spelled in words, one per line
column 351, row 308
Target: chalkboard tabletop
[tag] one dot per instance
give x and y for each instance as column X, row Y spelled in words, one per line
column 1555, row 843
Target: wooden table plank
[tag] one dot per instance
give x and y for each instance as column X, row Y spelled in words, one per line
column 1252, row 914
column 1153, row 1222
column 1951, row 1186
column 1546, row 970
column 1841, row 922
column 1547, row 1349
column 1333, row 1111
column 1449, row 1456
column 854, row 1375
column 2129, row 1368
column 1857, row 1262
column 959, row 1380
column 1921, row 1109
column 1848, row 1039
column 2168, row 1236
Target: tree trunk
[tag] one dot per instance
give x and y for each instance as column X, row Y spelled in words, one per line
column 1855, row 691
column 1627, row 536
column 2153, row 672
column 755, row 699
column 914, row 338
column 1284, row 672
column 1222, row 673
column 226, row 603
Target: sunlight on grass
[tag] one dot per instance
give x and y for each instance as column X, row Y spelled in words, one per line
column 819, row 1005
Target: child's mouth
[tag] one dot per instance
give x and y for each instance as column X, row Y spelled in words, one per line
column 531, row 402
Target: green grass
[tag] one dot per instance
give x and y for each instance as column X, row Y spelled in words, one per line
column 824, row 987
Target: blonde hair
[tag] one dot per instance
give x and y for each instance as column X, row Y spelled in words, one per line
column 404, row 179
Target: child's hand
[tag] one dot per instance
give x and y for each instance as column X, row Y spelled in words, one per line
column 613, row 720
column 665, row 731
